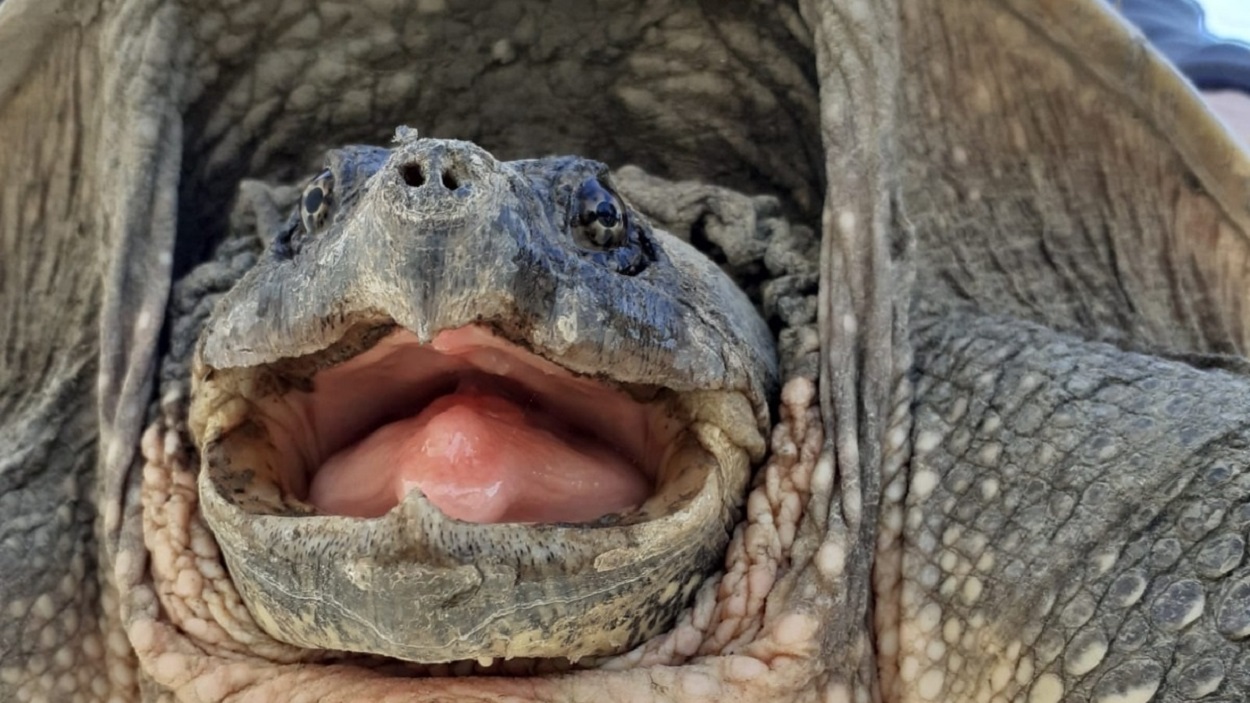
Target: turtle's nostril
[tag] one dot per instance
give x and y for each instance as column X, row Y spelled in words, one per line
column 433, row 170
column 413, row 174
column 421, row 173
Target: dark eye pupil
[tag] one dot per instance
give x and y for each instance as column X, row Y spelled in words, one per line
column 313, row 199
column 606, row 214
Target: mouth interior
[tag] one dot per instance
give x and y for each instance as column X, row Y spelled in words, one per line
column 487, row 431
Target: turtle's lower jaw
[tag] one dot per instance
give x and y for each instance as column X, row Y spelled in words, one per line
column 465, row 498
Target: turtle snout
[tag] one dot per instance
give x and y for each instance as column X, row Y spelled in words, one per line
column 434, row 168
column 435, row 180
column 432, row 171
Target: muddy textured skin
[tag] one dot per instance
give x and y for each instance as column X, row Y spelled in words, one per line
column 1016, row 471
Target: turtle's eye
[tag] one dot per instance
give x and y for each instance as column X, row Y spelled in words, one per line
column 601, row 220
column 314, row 203
column 606, row 233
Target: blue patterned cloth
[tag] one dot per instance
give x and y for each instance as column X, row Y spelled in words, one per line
column 1176, row 27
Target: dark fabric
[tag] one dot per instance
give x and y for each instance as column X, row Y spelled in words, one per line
column 1177, row 28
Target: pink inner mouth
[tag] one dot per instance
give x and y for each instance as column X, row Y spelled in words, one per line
column 489, row 432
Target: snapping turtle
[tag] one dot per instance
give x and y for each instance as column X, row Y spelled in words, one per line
column 1009, row 458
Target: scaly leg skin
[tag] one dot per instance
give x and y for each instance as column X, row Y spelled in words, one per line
column 1073, row 525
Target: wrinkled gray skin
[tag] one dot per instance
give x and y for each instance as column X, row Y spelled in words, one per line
column 1032, row 483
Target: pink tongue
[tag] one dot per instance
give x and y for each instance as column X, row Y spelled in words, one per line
column 480, row 458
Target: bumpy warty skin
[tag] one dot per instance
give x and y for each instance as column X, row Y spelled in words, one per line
column 1026, row 573
column 1024, row 169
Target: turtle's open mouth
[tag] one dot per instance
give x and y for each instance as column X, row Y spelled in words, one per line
column 463, row 498
column 486, row 430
